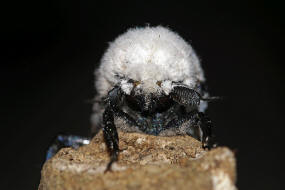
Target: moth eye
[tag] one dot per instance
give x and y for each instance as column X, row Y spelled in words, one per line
column 136, row 83
column 159, row 83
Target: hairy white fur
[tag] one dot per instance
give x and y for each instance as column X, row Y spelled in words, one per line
column 147, row 55
column 126, row 86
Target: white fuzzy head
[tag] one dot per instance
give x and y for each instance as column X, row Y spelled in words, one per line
column 148, row 55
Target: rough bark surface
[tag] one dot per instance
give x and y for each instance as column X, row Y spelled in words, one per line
column 146, row 162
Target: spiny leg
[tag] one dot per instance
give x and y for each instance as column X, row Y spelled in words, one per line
column 110, row 136
column 114, row 100
column 199, row 125
column 186, row 96
column 110, row 131
column 195, row 124
column 126, row 117
column 205, row 126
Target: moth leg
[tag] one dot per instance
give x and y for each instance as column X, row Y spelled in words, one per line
column 186, row 97
column 126, row 117
column 114, row 100
column 111, row 136
column 195, row 124
column 203, row 122
column 63, row 141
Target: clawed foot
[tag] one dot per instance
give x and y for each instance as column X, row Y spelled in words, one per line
column 114, row 158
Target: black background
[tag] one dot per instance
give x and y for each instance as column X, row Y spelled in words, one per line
column 49, row 51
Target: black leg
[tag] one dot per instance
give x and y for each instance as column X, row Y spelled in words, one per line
column 63, row 141
column 195, row 124
column 205, row 125
column 114, row 99
column 110, row 132
column 110, row 136
column 126, row 117
column 186, row 96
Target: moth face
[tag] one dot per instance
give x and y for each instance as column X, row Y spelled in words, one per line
column 147, row 104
